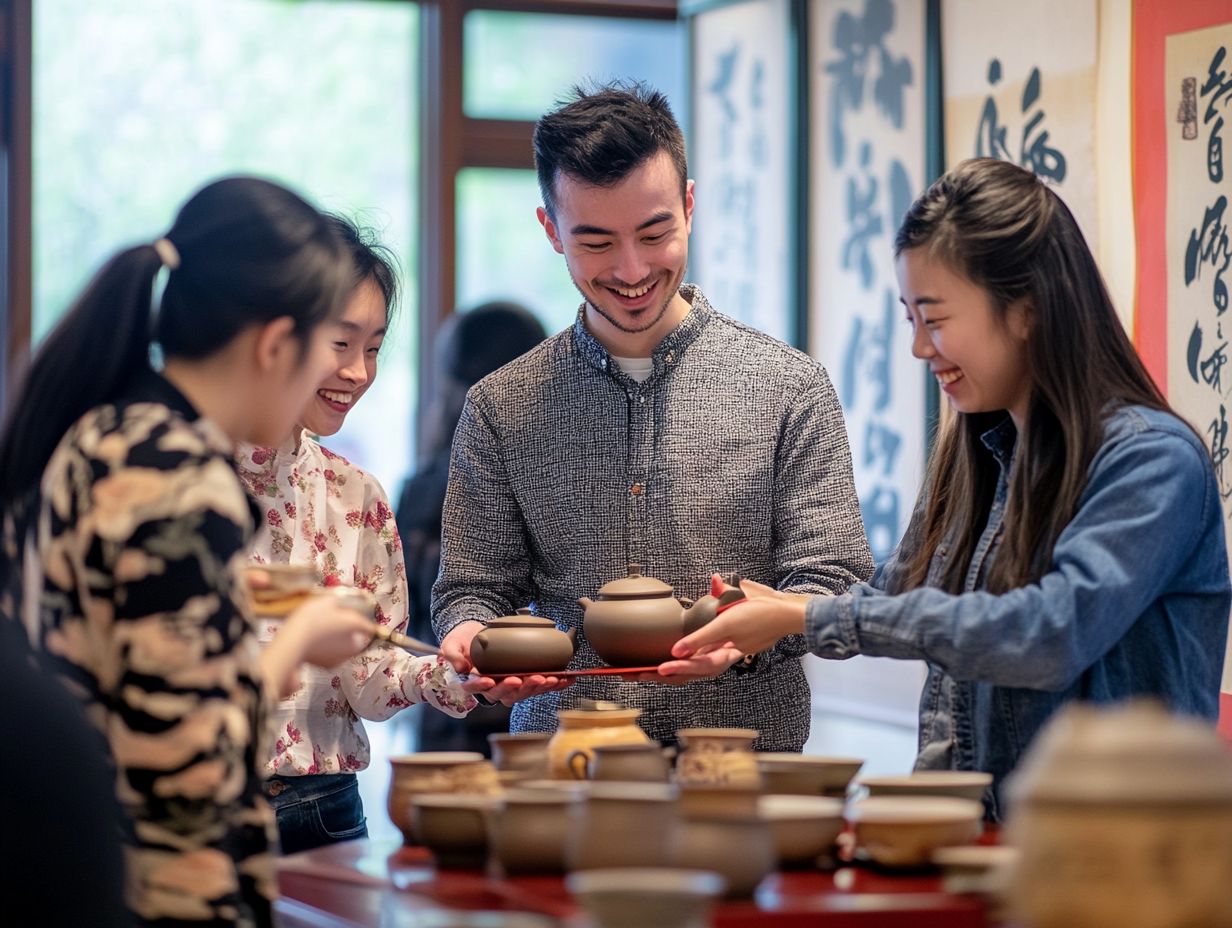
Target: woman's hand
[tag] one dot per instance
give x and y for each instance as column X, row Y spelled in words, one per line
column 750, row 626
column 322, row 632
column 456, row 648
column 700, row 666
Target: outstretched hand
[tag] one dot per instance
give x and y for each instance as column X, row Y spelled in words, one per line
column 701, row 666
column 749, row 626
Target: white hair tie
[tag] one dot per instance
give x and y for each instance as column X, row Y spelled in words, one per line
column 167, row 253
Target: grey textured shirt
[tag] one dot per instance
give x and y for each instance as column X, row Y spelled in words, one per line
column 730, row 457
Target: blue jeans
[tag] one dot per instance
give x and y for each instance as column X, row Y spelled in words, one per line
column 316, row 810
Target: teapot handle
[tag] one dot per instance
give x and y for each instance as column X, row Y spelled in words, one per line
column 578, row 763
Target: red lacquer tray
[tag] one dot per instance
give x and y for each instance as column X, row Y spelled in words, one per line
column 571, row 674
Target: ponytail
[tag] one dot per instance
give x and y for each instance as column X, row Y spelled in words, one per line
column 87, row 360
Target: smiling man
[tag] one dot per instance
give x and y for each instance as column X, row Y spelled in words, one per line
column 654, row 431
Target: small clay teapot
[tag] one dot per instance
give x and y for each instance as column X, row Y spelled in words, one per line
column 636, row 620
column 522, row 643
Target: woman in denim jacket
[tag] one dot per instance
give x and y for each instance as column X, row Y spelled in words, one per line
column 1069, row 540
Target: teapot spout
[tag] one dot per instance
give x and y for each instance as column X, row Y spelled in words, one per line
column 699, row 614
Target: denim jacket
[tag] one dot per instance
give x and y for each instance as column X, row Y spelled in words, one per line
column 1135, row 603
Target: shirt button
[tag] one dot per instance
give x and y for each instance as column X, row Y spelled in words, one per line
column 641, row 399
column 670, row 357
column 636, row 489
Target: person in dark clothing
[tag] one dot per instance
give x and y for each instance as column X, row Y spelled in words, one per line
column 60, row 854
column 469, row 347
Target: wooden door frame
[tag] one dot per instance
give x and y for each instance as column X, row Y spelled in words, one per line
column 15, row 189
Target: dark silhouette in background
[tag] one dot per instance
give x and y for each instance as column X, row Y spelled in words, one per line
column 470, row 346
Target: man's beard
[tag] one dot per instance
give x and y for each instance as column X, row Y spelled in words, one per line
column 667, row 301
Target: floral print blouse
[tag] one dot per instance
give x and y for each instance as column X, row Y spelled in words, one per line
column 142, row 533
column 318, row 508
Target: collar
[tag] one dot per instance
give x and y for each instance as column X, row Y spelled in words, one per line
column 1000, row 440
column 666, row 353
column 150, row 386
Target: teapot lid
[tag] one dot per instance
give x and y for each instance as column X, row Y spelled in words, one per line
column 634, row 586
column 1137, row 753
column 524, row 619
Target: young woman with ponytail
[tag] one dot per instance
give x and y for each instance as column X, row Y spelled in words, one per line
column 127, row 529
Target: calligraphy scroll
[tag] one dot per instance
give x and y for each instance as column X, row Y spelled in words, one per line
column 1020, row 84
column 1198, row 104
column 741, row 159
column 866, row 92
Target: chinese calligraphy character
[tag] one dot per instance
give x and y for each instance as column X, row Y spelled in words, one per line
column 1218, row 85
column 881, row 444
column 1187, row 112
column 880, row 514
column 863, row 221
column 859, row 41
column 720, row 88
column 1218, row 431
column 1209, row 244
column 1034, row 153
column 868, row 358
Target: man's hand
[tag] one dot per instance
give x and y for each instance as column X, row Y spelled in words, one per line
column 456, row 648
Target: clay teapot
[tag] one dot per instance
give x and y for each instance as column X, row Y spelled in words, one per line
column 522, row 643
column 635, row 620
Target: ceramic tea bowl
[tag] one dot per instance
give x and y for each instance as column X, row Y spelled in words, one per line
column 638, row 897
column 960, row 784
column 903, row 831
column 807, row 774
column 803, row 827
column 522, row 752
column 454, row 827
column 464, row 772
column 624, row 825
column 530, row 829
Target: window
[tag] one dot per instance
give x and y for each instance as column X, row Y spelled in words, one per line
column 503, row 252
column 136, row 103
column 517, row 65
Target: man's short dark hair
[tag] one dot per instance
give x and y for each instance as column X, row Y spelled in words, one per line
column 600, row 135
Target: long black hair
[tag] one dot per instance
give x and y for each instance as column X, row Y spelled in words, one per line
column 243, row 251
column 1002, row 228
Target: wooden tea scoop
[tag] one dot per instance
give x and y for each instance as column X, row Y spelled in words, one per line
column 398, row 640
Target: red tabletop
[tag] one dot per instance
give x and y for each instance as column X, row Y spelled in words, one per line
column 363, row 883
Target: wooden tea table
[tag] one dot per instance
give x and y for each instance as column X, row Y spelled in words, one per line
column 367, row 883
